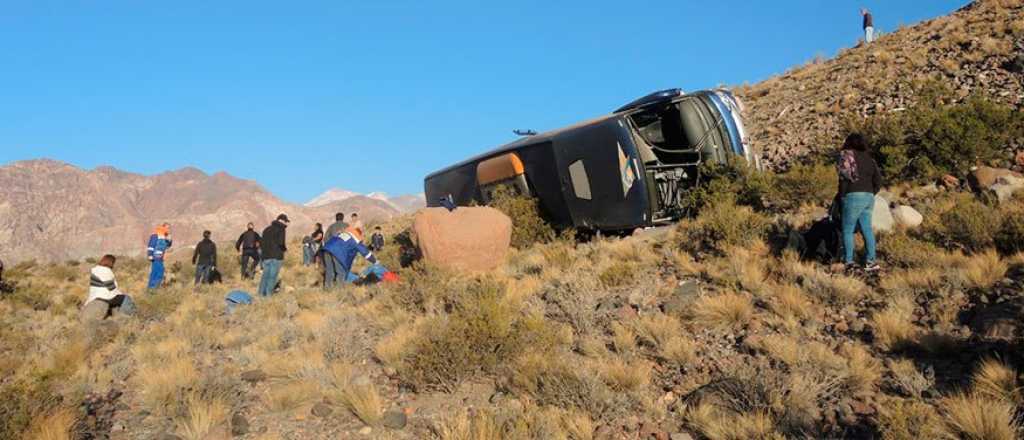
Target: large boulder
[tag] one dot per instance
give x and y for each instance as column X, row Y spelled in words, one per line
column 907, row 216
column 466, row 239
column 881, row 216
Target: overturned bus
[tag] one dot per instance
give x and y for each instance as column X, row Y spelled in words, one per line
column 618, row 172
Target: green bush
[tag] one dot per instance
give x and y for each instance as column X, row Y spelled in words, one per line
column 815, row 183
column 902, row 250
column 482, row 333
column 935, row 137
column 721, row 225
column 969, row 225
column 734, row 182
column 528, row 225
column 1010, row 237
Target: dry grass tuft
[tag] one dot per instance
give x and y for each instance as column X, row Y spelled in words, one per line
column 680, row 349
column 364, row 402
column 658, row 329
column 730, row 310
column 623, row 339
column 894, row 326
column 466, row 425
column 864, row 370
column 978, row 417
column 905, row 419
column 162, row 386
column 983, row 270
column 624, row 376
column 716, row 424
column 57, row 425
column 202, row 417
column 290, row 395
column 996, row 380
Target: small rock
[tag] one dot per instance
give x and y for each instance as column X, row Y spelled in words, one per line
column 861, row 408
column 907, row 216
column 950, row 181
column 680, row 436
column 239, row 425
column 253, row 376
column 322, row 409
column 1019, row 158
column 394, row 420
column 366, row 430
column 362, row 381
column 687, row 292
column 390, row 372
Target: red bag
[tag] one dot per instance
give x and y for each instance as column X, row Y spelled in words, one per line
column 390, row 277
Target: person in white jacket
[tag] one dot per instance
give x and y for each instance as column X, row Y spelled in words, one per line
column 103, row 287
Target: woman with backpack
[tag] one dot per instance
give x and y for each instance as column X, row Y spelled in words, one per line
column 859, row 181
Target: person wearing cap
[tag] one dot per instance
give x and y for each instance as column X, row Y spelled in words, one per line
column 204, row 258
column 273, row 248
column 159, row 242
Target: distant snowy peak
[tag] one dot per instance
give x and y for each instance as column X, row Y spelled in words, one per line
column 331, row 195
column 403, row 203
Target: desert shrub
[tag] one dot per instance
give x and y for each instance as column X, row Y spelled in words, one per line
column 904, row 419
column 814, row 183
column 722, row 225
column 528, row 225
column 734, row 182
column 969, row 225
column 1010, row 237
column 484, row 331
column 559, row 382
column 22, row 399
column 902, row 250
column 619, row 274
column 939, row 136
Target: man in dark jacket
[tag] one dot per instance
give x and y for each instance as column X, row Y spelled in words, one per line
column 205, row 258
column 273, row 247
column 377, row 240
column 249, row 245
column 869, row 25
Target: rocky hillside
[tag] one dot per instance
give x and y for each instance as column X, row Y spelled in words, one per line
column 404, row 203
column 50, row 210
column 978, row 49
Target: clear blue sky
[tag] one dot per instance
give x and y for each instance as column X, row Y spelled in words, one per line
column 303, row 96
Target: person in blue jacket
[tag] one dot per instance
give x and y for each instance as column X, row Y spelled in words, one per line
column 159, row 242
column 343, row 248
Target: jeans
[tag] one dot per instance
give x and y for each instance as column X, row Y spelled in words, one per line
column 857, row 210
column 203, row 273
column 869, row 34
column 248, row 271
column 332, row 271
column 307, row 255
column 156, row 274
column 271, row 268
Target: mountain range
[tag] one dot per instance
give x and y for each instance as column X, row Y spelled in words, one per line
column 50, row 210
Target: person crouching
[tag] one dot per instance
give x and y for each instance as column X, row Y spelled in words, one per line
column 103, row 287
column 343, row 249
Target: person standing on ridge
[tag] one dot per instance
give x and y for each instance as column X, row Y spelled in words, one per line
column 248, row 245
column 868, row 25
column 273, row 248
column 331, row 267
column 204, row 258
column 859, row 181
column 159, row 243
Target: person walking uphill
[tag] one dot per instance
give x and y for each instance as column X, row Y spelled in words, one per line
column 204, row 258
column 859, row 181
column 273, row 247
column 868, row 25
column 248, row 245
column 159, row 243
